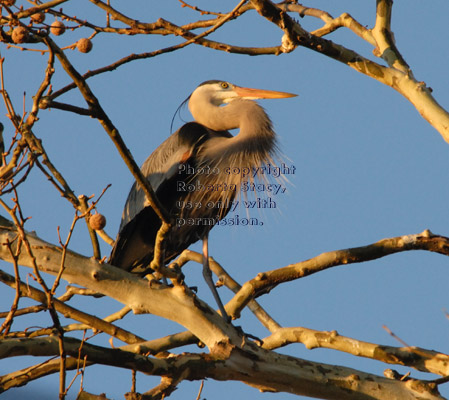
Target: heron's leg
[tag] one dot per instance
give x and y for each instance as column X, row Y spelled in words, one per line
column 208, row 277
column 164, row 278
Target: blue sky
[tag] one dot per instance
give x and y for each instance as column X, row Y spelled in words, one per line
column 367, row 167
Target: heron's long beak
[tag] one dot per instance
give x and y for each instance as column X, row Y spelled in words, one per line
column 252, row 94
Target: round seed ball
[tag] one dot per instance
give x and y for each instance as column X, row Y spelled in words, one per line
column 38, row 18
column 97, row 222
column 19, row 34
column 57, row 28
column 84, row 45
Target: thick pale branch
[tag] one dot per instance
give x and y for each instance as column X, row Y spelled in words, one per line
column 162, row 344
column 275, row 372
column 26, row 375
column 177, row 304
column 263, row 369
column 331, row 24
column 420, row 359
column 385, row 45
column 399, row 78
column 347, row 21
column 266, row 281
column 79, row 349
column 305, row 11
column 90, row 320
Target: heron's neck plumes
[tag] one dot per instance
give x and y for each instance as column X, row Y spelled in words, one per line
column 237, row 157
column 255, row 141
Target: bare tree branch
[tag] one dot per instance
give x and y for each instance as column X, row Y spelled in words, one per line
column 278, row 372
column 400, row 79
column 420, row 359
column 266, row 281
column 90, row 320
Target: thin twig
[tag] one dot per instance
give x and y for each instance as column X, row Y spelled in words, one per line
column 64, row 252
column 9, row 318
column 84, row 207
column 91, row 320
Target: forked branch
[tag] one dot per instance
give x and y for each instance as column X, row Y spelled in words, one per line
column 266, row 281
column 397, row 75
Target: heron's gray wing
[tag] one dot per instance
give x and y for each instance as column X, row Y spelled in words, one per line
column 134, row 245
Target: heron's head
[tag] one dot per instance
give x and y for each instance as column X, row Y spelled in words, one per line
column 206, row 99
column 221, row 92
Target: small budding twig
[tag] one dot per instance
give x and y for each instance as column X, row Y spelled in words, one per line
column 85, row 209
column 9, row 318
column 19, row 220
column 64, row 252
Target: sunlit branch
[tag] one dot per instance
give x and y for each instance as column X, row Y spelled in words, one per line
column 41, row 7
column 110, row 318
column 29, row 374
column 420, row 359
column 266, row 281
column 24, row 311
column 304, row 11
column 90, row 320
column 75, row 348
column 163, row 344
column 106, row 238
column 275, row 370
column 414, row 91
column 165, row 388
column 385, row 45
column 347, row 21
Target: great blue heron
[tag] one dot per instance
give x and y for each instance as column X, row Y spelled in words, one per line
column 190, row 173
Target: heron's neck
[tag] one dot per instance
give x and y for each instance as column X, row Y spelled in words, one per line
column 255, row 142
column 247, row 115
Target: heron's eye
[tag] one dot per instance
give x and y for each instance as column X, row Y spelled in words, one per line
column 224, row 85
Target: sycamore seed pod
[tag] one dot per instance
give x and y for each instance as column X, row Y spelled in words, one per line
column 84, row 45
column 19, row 34
column 57, row 28
column 38, row 18
column 97, row 222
